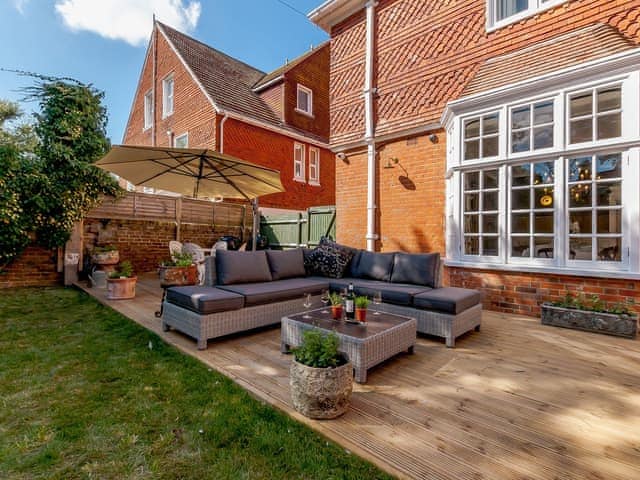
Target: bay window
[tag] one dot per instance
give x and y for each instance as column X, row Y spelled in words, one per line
column 481, row 137
column 480, row 204
column 595, row 115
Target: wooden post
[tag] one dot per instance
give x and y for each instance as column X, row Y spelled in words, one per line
column 178, row 218
column 73, row 255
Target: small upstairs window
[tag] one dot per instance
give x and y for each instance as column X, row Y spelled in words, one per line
column 148, row 109
column 314, row 166
column 305, row 100
column 181, row 141
column 503, row 12
column 167, row 96
column 298, row 162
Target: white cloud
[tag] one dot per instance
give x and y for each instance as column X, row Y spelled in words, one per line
column 20, row 5
column 128, row 20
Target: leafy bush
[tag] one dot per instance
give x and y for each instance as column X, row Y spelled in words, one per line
column 362, row 302
column 319, row 350
column 181, row 259
column 579, row 302
column 125, row 269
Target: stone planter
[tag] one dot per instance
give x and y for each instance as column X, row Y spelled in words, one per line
column 609, row 323
column 106, row 261
column 121, row 288
column 178, row 276
column 321, row 393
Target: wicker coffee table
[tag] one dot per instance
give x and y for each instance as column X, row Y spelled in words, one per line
column 366, row 345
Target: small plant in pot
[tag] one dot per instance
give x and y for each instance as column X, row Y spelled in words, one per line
column 336, row 305
column 320, row 376
column 361, row 308
column 121, row 283
column 180, row 270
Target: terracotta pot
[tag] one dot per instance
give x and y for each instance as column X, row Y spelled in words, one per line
column 121, row 288
column 176, row 276
column 361, row 314
column 106, row 258
column 336, row 312
column 321, row 393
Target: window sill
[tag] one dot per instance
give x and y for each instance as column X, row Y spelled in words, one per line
column 297, row 179
column 574, row 272
column 164, row 117
column 144, row 129
column 305, row 113
column 314, row 184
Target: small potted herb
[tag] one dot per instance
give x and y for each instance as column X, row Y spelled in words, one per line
column 121, row 284
column 180, row 270
column 361, row 308
column 336, row 305
column 320, row 376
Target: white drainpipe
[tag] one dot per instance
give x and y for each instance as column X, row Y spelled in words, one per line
column 369, row 92
column 224, row 119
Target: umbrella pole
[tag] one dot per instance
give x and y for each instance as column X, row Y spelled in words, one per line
column 256, row 223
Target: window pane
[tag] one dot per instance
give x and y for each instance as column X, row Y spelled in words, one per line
column 520, row 247
column 490, row 124
column 303, row 100
column 580, row 222
column 579, row 169
column 580, row 195
column 490, row 147
column 490, row 246
column 543, row 197
column 472, row 128
column 543, row 222
column 543, row 113
column 490, row 178
column 609, row 194
column 471, row 224
column 543, row 173
column 472, row 149
column 609, row 221
column 520, row 199
column 580, row 249
column 543, row 137
column 490, row 223
column 521, row 117
column 520, row 223
column 521, row 175
column 490, row 201
column 471, row 246
column 471, row 181
column 543, row 247
column 520, row 141
column 609, row 99
column 471, row 202
column 507, row 8
column 581, row 105
column 608, row 166
column 609, row 249
column 581, row 131
column 609, row 126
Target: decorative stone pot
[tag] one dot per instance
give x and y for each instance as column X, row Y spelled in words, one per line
column 361, row 314
column 336, row 312
column 121, row 288
column 321, row 393
column 107, row 261
column 177, row 276
column 609, row 323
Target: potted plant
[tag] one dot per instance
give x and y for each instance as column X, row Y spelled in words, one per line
column 106, row 257
column 320, row 376
column 361, row 308
column 121, row 284
column 180, row 270
column 592, row 315
column 336, row 305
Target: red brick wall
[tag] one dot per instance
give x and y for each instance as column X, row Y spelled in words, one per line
column 274, row 97
column 273, row 150
column 36, row 267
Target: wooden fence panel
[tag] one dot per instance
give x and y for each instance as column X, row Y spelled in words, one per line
column 292, row 230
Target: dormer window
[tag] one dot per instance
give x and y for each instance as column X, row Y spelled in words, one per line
column 504, row 12
column 167, row 96
column 305, row 100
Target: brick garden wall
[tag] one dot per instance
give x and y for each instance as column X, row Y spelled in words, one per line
column 36, row 267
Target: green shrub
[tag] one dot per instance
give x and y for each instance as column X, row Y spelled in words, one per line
column 319, row 350
column 578, row 302
column 125, row 269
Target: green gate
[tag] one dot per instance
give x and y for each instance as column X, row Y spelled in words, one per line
column 291, row 230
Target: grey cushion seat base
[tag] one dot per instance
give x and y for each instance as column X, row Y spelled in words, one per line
column 204, row 300
column 397, row 293
column 278, row 290
column 447, row 300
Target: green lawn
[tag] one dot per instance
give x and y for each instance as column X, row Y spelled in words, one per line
column 82, row 395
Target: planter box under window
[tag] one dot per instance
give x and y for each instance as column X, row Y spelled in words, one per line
column 608, row 323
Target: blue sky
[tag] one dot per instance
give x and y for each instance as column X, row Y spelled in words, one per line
column 107, row 47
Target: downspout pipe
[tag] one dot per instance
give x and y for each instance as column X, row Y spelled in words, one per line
column 224, row 119
column 153, row 84
column 369, row 93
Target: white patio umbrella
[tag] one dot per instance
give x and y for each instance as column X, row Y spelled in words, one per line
column 193, row 172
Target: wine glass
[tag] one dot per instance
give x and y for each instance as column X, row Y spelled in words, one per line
column 307, row 305
column 377, row 300
column 324, row 298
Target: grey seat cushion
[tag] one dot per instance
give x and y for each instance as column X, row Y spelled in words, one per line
column 269, row 292
column 399, row 294
column 204, row 300
column 448, row 300
column 286, row 263
column 416, row 268
column 241, row 267
column 375, row 266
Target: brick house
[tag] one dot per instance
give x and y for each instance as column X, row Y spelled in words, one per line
column 504, row 134
column 191, row 95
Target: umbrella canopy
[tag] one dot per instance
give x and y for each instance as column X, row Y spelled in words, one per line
column 193, row 172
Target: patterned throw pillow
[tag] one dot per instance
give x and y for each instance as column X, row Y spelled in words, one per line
column 328, row 261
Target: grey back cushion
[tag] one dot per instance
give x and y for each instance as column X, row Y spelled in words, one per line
column 416, row 268
column 376, row 266
column 286, row 263
column 241, row 267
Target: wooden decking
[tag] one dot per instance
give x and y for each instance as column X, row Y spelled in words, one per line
column 515, row 401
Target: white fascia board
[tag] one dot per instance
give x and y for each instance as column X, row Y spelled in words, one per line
column 332, row 12
column 271, row 82
column 606, row 67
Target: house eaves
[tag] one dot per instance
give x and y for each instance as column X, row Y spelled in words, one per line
column 333, row 12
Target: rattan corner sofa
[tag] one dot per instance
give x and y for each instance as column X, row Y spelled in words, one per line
column 248, row 290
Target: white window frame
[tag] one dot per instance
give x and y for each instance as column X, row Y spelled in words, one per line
column 534, row 7
column 480, row 117
column 531, row 128
column 298, row 161
column 148, row 110
column 309, row 93
column 314, row 166
column 594, row 113
column 180, row 137
column 168, row 100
